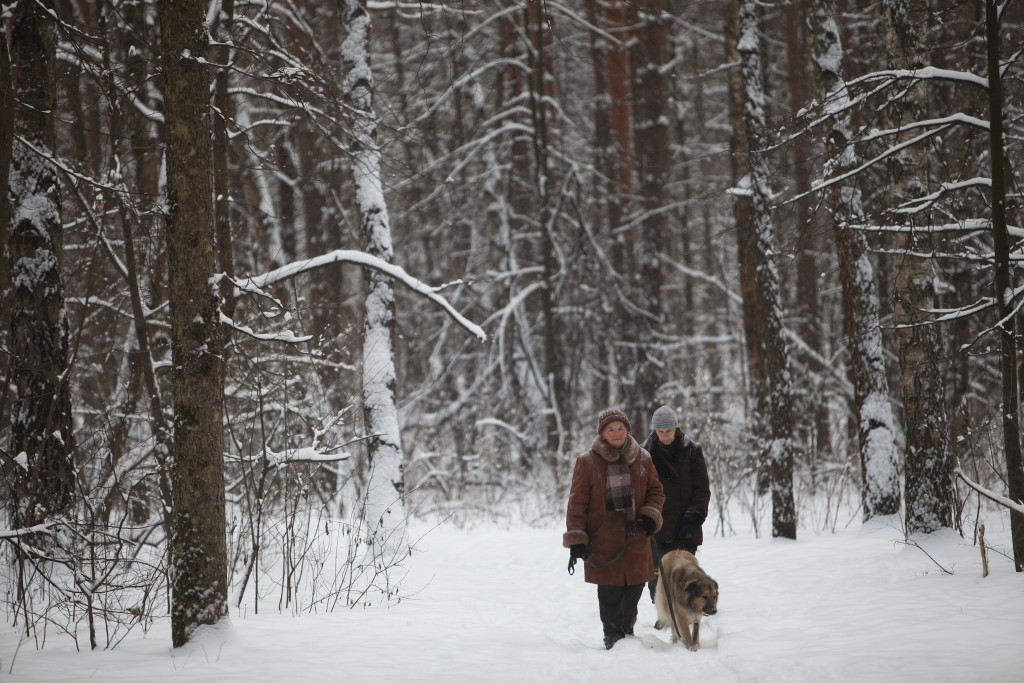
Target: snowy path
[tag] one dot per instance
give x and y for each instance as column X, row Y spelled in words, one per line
column 498, row 606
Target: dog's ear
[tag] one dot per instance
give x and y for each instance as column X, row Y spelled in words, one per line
column 692, row 587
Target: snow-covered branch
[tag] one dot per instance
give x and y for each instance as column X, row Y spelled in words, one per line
column 991, row 495
column 8, row 534
column 256, row 283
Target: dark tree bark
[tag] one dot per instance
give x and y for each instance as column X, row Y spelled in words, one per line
column 808, row 269
column 753, row 313
column 198, row 546
column 651, row 139
column 41, row 418
column 538, row 22
column 771, row 334
column 1003, row 286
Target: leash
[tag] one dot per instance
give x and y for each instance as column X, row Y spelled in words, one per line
column 668, row 591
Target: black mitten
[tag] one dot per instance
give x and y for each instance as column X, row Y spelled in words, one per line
column 692, row 517
column 646, row 525
column 578, row 551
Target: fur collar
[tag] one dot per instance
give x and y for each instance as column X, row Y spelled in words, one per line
column 630, row 450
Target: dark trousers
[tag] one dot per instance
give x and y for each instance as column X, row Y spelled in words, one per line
column 618, row 608
column 659, row 550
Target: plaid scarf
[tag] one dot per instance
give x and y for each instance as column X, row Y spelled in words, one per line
column 618, row 492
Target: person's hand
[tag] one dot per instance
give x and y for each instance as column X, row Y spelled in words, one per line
column 578, row 551
column 646, row 524
column 692, row 517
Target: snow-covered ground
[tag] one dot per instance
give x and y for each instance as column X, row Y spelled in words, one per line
column 496, row 604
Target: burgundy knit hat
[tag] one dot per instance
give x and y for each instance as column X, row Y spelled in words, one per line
column 611, row 415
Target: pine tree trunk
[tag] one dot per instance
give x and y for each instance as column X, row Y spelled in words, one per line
column 385, row 494
column 622, row 387
column 880, row 483
column 537, row 23
column 808, row 271
column 753, row 313
column 772, row 333
column 1004, row 287
column 199, row 573
column 651, row 139
column 41, row 418
column 6, row 141
column 928, row 474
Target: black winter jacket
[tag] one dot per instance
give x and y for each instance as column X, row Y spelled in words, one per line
column 684, row 476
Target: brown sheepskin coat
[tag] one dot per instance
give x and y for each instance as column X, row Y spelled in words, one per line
column 605, row 533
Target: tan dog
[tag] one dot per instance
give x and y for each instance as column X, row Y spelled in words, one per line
column 692, row 594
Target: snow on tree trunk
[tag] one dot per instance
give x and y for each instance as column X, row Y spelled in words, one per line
column 772, row 336
column 199, row 567
column 928, row 474
column 41, row 432
column 384, row 497
column 880, row 484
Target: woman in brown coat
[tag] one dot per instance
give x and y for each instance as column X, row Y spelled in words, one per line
column 615, row 502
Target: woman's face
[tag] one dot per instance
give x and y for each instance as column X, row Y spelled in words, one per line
column 615, row 433
column 666, row 436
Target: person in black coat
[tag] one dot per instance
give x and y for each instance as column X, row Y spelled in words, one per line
column 684, row 475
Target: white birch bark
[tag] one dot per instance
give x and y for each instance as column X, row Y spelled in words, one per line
column 928, row 475
column 384, row 498
column 880, row 483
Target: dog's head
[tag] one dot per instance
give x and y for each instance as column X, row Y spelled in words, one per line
column 702, row 595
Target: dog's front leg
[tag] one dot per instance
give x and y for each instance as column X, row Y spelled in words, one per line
column 694, row 643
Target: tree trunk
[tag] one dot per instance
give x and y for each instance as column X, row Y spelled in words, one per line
column 385, row 494
column 928, row 475
column 198, row 547
column 6, row 142
column 537, row 20
column 753, row 314
column 808, row 270
column 221, row 150
column 1004, row 287
column 651, row 139
column 41, row 421
column 622, row 384
column 772, row 334
column 880, row 483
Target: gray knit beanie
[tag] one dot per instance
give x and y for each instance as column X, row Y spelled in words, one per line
column 664, row 418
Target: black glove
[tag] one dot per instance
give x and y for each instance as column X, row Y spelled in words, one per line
column 692, row 517
column 577, row 551
column 646, row 525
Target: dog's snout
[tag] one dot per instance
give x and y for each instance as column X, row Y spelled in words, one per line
column 710, row 610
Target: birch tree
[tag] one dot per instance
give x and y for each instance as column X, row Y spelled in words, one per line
column 772, row 334
column 928, row 476
column 199, row 575
column 880, row 484
column 385, row 486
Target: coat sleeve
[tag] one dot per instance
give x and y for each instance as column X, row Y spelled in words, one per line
column 654, row 501
column 701, row 483
column 579, row 501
